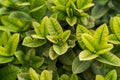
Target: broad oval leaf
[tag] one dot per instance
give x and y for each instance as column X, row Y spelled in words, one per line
column 79, row 31
column 109, row 58
column 60, row 49
column 53, row 39
column 71, row 20
column 87, row 55
column 90, row 42
column 54, row 27
column 115, row 25
column 52, row 54
column 12, row 44
column 45, row 75
column 30, row 42
column 74, row 77
column 99, row 77
column 101, row 34
column 5, row 59
column 80, row 66
column 65, row 35
column 33, row 74
column 113, row 39
column 112, row 75
column 64, row 77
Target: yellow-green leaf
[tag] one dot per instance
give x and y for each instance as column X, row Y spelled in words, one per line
column 99, row 77
column 33, row 74
column 5, row 59
column 101, row 34
column 112, row 75
column 45, row 75
column 71, row 20
column 113, row 39
column 87, row 55
column 52, row 54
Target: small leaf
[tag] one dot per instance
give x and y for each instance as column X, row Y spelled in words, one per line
column 52, row 54
column 109, row 58
column 53, row 39
column 60, row 49
column 101, row 34
column 12, row 44
column 105, row 49
column 4, row 59
column 74, row 77
column 79, row 31
column 80, row 66
column 30, row 42
column 20, row 15
column 33, row 74
column 45, row 75
column 112, row 75
column 90, row 42
column 54, row 27
column 113, row 39
column 99, row 77
column 71, row 20
column 87, row 55
column 65, row 35
column 64, row 77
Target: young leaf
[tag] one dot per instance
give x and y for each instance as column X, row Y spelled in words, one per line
column 112, row 75
column 30, row 42
column 87, row 55
column 74, row 77
column 104, row 49
column 71, row 20
column 113, row 39
column 45, row 75
column 60, row 49
column 101, row 34
column 99, row 77
column 115, row 22
column 79, row 31
column 12, row 44
column 65, row 35
column 52, row 54
column 53, row 39
column 109, row 58
column 5, row 59
column 64, row 77
column 90, row 42
column 33, row 74
column 54, row 27
column 79, row 66
column 11, row 24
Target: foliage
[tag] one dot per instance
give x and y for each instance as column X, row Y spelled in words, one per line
column 59, row 40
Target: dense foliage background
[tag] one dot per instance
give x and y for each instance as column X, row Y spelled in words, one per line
column 59, row 40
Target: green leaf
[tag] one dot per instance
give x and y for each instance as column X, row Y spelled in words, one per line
column 67, row 58
column 12, row 44
column 87, row 55
column 65, row 35
column 60, row 49
column 109, row 58
column 115, row 26
column 90, row 42
column 74, row 77
column 101, row 34
column 60, row 2
column 54, row 27
column 45, row 75
column 99, row 13
column 9, row 72
column 30, row 42
column 52, row 54
column 53, row 39
column 33, row 74
column 64, row 77
column 71, row 20
column 112, row 75
column 84, row 4
column 79, row 31
column 113, row 39
column 80, row 66
column 38, row 8
column 99, row 77
column 104, row 49
column 20, row 56
column 4, row 59
column 21, row 15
